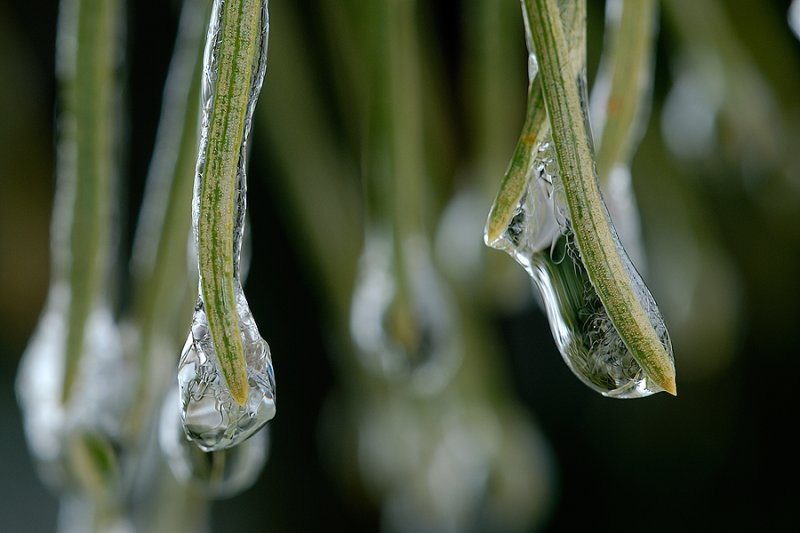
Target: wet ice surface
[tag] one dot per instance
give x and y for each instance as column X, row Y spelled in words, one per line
column 211, row 417
column 220, row 473
column 402, row 322
column 539, row 236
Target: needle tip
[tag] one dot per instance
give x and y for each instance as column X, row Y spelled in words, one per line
column 669, row 386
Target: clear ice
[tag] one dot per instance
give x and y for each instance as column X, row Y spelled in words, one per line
column 539, row 236
column 220, row 473
column 90, row 419
column 211, row 417
column 72, row 385
column 401, row 318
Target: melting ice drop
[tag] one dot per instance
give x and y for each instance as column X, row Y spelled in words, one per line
column 540, row 238
column 219, row 473
column 210, row 415
column 401, row 316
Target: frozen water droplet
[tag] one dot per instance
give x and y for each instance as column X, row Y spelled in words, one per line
column 219, row 473
column 211, row 417
column 402, row 322
column 586, row 338
column 90, row 420
column 540, row 238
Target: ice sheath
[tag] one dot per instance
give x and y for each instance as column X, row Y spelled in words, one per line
column 71, row 384
column 225, row 373
column 551, row 217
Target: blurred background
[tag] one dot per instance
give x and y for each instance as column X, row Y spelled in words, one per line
column 717, row 180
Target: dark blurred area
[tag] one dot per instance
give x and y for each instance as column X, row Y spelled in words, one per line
column 717, row 178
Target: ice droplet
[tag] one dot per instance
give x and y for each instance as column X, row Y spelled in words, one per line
column 586, row 338
column 89, row 421
column 211, row 417
column 540, row 238
column 219, row 473
column 401, row 321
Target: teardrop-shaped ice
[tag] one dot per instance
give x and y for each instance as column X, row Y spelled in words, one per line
column 586, row 338
column 219, row 473
column 210, row 415
column 540, row 238
column 401, row 318
column 73, row 442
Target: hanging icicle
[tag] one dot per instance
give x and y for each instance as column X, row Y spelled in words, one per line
column 402, row 317
column 225, row 372
column 603, row 318
column 71, row 384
